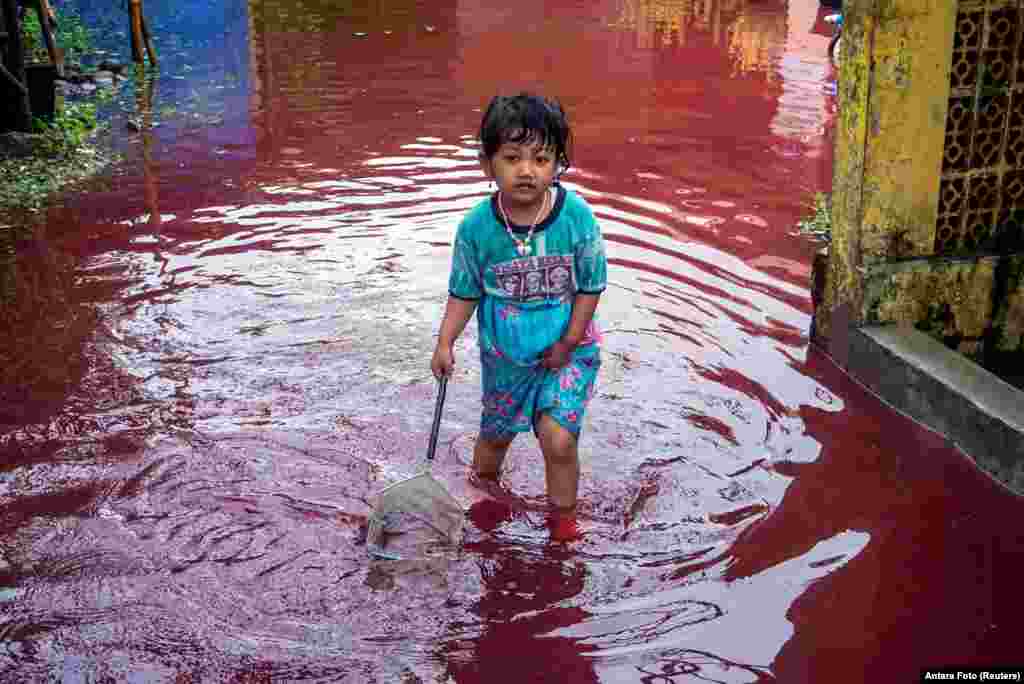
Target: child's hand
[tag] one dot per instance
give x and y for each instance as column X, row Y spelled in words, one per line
column 556, row 356
column 443, row 361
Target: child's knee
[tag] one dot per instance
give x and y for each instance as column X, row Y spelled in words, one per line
column 558, row 443
column 488, row 457
column 489, row 454
column 496, row 444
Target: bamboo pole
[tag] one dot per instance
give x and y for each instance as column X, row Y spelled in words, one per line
column 135, row 12
column 21, row 108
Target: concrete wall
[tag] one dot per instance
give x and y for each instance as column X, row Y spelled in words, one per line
column 928, row 196
column 924, row 277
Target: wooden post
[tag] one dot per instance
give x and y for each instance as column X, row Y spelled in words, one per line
column 20, row 107
column 145, row 36
column 145, row 89
column 44, row 13
column 135, row 12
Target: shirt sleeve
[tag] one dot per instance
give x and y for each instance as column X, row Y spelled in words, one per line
column 466, row 279
column 591, row 264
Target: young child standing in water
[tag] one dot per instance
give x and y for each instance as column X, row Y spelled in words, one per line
column 531, row 262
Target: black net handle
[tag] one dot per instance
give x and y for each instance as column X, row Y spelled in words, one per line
column 442, row 386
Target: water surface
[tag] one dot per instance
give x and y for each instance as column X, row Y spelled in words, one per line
column 212, row 365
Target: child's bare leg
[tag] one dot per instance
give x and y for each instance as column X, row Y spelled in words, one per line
column 488, row 455
column 561, row 463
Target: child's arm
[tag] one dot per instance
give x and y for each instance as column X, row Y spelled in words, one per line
column 557, row 355
column 456, row 314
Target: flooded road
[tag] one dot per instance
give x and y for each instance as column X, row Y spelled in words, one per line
column 212, row 365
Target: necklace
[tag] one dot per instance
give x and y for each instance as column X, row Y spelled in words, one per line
column 523, row 246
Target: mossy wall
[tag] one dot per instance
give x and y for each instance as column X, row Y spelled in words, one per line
column 928, row 188
column 950, row 301
column 840, row 285
column 1008, row 321
column 1004, row 349
column 906, row 115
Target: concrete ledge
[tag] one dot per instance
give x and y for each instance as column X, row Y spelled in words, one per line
column 937, row 386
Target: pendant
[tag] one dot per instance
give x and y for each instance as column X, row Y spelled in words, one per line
column 524, row 249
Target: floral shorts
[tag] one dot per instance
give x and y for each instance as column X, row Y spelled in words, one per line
column 515, row 397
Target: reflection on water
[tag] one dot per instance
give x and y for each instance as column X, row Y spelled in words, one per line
column 210, row 368
column 755, row 32
column 755, row 40
column 525, row 599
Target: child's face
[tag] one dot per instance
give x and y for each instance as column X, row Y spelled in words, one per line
column 523, row 172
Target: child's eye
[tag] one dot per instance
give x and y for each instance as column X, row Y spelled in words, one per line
column 543, row 160
column 511, row 158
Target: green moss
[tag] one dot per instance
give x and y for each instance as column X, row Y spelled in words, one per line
column 936, row 320
column 1008, row 321
column 818, row 223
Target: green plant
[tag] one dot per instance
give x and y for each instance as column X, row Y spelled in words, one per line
column 819, row 223
column 72, row 35
column 31, row 182
column 69, row 128
column 63, row 156
column 32, row 35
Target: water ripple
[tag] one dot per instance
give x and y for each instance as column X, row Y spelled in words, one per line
column 210, row 368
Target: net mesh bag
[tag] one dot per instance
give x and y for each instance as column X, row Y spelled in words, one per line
column 413, row 518
column 416, row 517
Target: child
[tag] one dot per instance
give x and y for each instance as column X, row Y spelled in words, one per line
column 530, row 261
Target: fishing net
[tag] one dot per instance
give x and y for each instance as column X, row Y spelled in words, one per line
column 416, row 517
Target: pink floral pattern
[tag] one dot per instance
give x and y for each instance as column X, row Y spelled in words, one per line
column 507, row 311
column 519, row 395
column 568, row 376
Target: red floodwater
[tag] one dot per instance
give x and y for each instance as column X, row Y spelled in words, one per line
column 211, row 366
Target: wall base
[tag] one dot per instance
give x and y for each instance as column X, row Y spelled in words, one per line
column 980, row 413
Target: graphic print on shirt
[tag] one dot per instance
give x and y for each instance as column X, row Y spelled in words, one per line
column 536, row 277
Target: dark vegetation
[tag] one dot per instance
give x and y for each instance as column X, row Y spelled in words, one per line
column 58, row 149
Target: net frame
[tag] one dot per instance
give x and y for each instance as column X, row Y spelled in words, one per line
column 420, row 498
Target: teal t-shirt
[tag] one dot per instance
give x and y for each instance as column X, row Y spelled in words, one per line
column 525, row 302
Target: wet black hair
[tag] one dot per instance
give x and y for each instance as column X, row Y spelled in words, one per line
column 526, row 118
